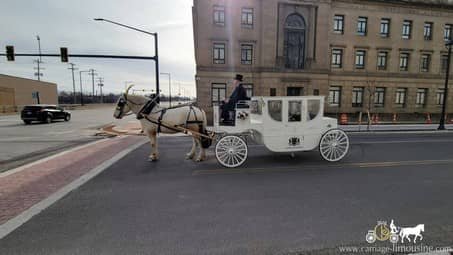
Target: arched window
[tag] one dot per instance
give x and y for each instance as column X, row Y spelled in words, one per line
column 294, row 41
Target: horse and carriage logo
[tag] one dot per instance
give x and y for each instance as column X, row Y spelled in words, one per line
column 384, row 232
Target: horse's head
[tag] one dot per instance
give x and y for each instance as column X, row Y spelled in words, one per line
column 122, row 108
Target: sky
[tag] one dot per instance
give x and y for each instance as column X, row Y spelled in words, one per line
column 70, row 24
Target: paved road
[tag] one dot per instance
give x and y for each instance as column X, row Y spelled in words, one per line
column 273, row 205
column 21, row 143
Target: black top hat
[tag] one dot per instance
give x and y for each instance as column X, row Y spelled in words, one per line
column 238, row 77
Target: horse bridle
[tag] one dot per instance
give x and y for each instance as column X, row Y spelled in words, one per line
column 123, row 101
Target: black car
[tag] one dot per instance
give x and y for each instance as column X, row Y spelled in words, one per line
column 44, row 113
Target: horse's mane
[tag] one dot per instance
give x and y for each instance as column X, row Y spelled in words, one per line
column 139, row 99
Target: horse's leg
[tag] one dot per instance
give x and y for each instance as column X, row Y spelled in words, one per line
column 191, row 153
column 152, row 134
column 201, row 152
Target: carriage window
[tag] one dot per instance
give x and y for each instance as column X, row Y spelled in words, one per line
column 294, row 111
column 275, row 109
column 255, row 107
column 313, row 107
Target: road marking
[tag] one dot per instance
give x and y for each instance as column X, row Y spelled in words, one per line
column 314, row 167
column 60, row 132
column 20, row 219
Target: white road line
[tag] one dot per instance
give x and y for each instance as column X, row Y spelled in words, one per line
column 17, row 221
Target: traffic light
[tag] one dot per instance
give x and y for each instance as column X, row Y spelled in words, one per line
column 64, row 54
column 10, row 53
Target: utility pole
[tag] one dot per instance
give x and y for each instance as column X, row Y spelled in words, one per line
column 100, row 85
column 81, row 90
column 92, row 79
column 73, row 82
column 39, row 60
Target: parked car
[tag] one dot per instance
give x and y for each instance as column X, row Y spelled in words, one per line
column 44, row 113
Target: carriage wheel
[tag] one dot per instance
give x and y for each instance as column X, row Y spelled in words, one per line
column 334, row 145
column 231, row 151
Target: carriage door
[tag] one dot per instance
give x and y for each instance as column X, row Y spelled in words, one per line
column 294, row 124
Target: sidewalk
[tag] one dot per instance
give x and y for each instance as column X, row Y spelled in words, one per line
column 391, row 127
column 24, row 187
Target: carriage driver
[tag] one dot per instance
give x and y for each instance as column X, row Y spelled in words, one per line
column 238, row 94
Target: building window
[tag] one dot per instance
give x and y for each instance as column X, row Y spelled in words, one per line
column 447, row 32
column 382, row 60
column 273, row 92
column 385, row 27
column 246, row 54
column 218, row 92
column 400, row 97
column 360, row 59
column 420, row 99
column 362, row 25
column 404, row 61
column 219, row 15
column 248, row 89
column 407, row 27
column 294, row 42
column 337, row 58
column 219, row 53
column 440, row 93
column 338, row 24
column 443, row 63
column 247, row 17
column 428, row 31
column 334, row 96
column 379, row 97
column 425, row 62
column 357, row 96
column 316, row 92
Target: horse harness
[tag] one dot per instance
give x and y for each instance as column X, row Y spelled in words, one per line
column 148, row 109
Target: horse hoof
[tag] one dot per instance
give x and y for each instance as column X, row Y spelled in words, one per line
column 153, row 159
column 188, row 156
column 199, row 159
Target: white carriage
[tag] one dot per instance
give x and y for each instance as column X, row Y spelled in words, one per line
column 282, row 124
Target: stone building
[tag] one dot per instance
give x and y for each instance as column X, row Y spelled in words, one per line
column 386, row 56
column 15, row 92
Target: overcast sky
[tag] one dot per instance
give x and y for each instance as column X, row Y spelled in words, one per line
column 70, row 24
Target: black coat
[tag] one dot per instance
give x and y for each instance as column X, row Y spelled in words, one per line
column 239, row 94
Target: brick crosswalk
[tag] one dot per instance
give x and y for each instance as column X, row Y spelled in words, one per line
column 19, row 190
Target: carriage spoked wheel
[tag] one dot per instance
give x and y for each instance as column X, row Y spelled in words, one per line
column 231, row 151
column 334, row 145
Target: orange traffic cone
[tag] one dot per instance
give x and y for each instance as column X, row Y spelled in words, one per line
column 376, row 119
column 428, row 119
column 344, row 119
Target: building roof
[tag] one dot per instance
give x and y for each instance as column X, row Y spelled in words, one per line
column 16, row 77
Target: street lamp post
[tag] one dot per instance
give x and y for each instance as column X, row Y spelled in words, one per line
column 169, row 87
column 81, row 92
column 156, row 48
column 444, row 104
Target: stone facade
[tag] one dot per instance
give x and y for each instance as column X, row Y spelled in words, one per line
column 293, row 42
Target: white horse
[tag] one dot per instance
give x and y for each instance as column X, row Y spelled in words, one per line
column 416, row 231
column 190, row 117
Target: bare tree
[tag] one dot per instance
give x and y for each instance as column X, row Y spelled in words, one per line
column 371, row 89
